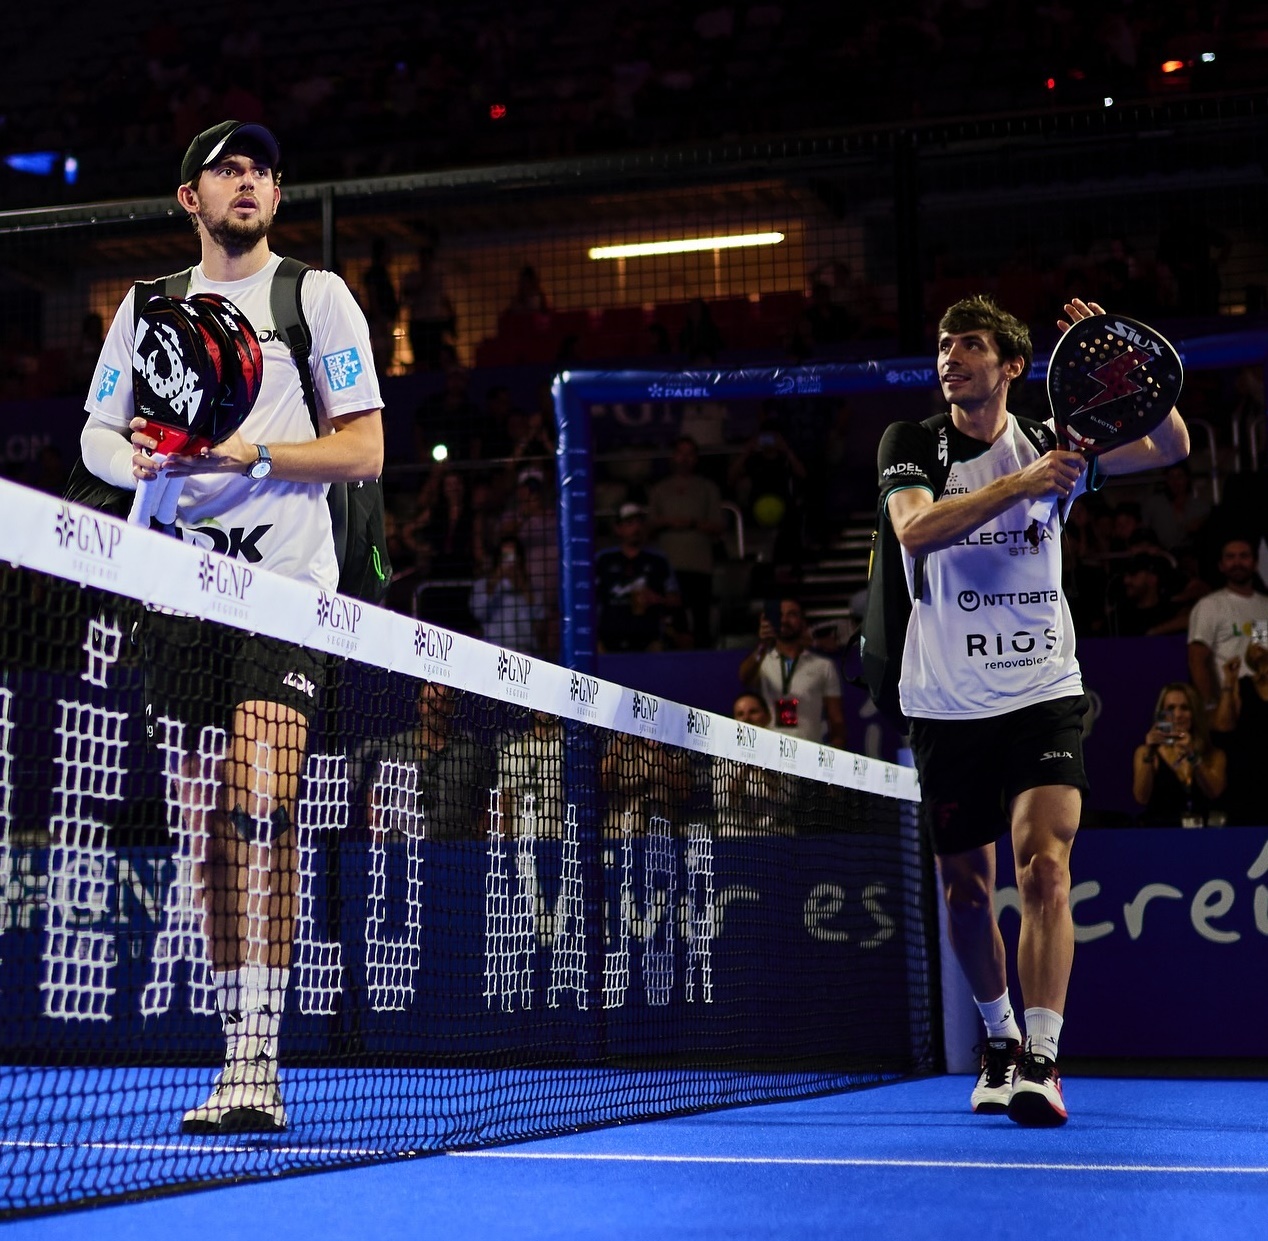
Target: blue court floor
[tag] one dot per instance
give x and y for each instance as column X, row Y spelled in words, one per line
column 1139, row 1158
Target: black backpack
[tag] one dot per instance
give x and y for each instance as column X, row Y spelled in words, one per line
column 883, row 632
column 356, row 509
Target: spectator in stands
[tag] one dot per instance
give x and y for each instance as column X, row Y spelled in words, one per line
column 529, row 297
column 1178, row 775
column 1176, row 514
column 642, row 778
column 444, row 533
column 433, row 322
column 685, row 519
column 636, row 592
column 503, row 602
column 534, row 442
column 1145, row 606
column 749, row 800
column 531, row 763
column 801, row 688
column 766, row 476
column 1221, row 623
column 534, row 522
column 381, row 306
column 1125, row 527
column 446, row 795
column 1240, row 721
column 1084, row 547
column 826, row 322
column 447, row 417
column 699, row 338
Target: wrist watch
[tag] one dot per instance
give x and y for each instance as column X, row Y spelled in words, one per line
column 262, row 467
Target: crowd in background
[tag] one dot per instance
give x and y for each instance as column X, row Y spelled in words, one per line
column 364, row 92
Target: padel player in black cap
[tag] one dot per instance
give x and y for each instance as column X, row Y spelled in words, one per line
column 258, row 496
column 990, row 681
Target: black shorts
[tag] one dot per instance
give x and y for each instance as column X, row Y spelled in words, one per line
column 198, row 672
column 970, row 770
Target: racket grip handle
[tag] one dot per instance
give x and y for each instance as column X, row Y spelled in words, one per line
column 1040, row 511
column 165, row 509
column 148, row 493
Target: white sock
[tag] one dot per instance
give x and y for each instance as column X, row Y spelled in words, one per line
column 999, row 1017
column 228, row 989
column 263, row 997
column 1043, row 1031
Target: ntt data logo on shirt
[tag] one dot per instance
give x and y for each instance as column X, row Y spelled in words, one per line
column 90, row 540
column 340, row 617
column 343, row 369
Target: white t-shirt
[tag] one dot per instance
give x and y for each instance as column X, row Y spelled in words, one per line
column 284, row 527
column 1225, row 621
column 992, row 632
column 810, row 679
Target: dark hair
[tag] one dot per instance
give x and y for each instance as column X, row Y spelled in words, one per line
column 982, row 313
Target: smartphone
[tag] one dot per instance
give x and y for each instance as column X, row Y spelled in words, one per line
column 1259, row 632
column 1163, row 724
column 771, row 612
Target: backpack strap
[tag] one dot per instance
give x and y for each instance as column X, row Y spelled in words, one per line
column 175, row 285
column 941, row 471
column 292, row 327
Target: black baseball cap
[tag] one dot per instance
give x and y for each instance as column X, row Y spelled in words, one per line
column 230, row 137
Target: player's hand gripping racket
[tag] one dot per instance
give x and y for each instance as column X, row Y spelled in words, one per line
column 1111, row 380
column 197, row 369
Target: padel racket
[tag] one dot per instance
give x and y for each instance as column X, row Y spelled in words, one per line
column 197, row 370
column 1111, row 380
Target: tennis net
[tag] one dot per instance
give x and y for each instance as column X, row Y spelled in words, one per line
column 486, row 897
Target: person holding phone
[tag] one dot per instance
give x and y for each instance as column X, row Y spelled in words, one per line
column 801, row 688
column 1241, row 721
column 1178, row 775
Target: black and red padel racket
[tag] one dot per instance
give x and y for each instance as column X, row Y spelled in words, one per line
column 1111, row 380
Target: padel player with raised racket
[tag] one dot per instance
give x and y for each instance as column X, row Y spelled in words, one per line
column 259, row 495
column 989, row 678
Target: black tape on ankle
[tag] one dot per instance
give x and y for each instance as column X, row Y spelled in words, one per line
column 279, row 821
column 246, row 826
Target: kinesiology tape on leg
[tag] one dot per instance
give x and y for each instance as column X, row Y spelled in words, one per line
column 246, row 825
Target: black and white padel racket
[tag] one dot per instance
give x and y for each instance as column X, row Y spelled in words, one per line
column 196, row 369
column 1111, row 380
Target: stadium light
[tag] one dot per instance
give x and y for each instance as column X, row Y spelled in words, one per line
column 685, row 245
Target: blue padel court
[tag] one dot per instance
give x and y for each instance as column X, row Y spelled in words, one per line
column 1139, row 1158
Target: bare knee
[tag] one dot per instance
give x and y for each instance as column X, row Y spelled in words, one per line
column 1044, row 879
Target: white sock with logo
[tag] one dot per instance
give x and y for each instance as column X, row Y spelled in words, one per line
column 263, row 996
column 998, row 1017
column 1043, row 1031
column 227, row 985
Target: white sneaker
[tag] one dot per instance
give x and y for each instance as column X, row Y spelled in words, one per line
column 246, row 1098
column 1037, row 1098
column 998, row 1067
